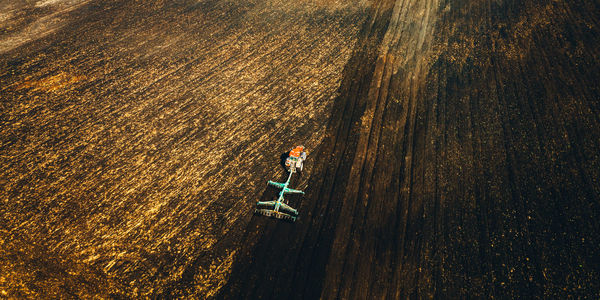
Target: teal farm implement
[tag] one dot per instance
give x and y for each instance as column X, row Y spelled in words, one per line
column 279, row 208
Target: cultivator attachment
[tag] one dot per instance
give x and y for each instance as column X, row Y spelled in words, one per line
column 279, row 209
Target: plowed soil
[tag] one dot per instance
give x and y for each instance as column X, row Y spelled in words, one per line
column 453, row 148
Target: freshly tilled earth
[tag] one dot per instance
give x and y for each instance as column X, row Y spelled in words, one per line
column 453, row 148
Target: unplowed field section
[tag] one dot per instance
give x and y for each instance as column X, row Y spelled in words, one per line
column 137, row 136
column 454, row 148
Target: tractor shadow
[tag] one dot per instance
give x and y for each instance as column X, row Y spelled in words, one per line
column 282, row 158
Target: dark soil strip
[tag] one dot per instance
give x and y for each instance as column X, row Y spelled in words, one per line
column 479, row 177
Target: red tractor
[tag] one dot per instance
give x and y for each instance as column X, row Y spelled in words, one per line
column 295, row 160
